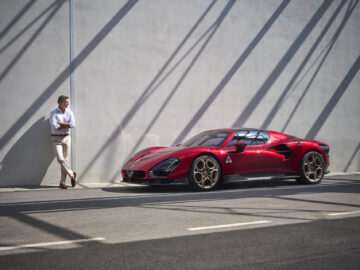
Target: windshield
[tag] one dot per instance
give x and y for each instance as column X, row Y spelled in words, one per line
column 208, row 138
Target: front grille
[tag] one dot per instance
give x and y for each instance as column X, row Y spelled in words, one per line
column 158, row 173
column 135, row 174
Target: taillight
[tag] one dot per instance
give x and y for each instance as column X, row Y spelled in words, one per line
column 325, row 148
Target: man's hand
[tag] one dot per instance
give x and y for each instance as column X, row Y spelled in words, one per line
column 63, row 125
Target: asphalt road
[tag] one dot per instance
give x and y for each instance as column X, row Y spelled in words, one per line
column 250, row 225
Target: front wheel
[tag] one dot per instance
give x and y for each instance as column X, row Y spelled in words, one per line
column 205, row 173
column 312, row 168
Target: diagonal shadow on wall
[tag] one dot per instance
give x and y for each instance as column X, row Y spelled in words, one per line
column 217, row 24
column 66, row 73
column 30, row 41
column 254, row 102
column 152, row 87
column 333, row 100
column 17, row 36
column 186, row 54
column 149, row 90
column 352, row 157
column 280, row 100
column 16, row 18
column 347, row 15
column 27, row 161
column 214, row 27
column 231, row 72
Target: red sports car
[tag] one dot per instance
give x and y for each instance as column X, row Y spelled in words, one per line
column 228, row 155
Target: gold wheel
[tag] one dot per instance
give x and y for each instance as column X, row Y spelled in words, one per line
column 206, row 172
column 313, row 168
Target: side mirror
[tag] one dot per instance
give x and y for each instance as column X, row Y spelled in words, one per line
column 240, row 146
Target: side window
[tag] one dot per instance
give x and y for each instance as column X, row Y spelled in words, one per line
column 265, row 135
column 246, row 136
column 261, row 138
column 234, row 140
column 258, row 140
column 250, row 137
column 239, row 136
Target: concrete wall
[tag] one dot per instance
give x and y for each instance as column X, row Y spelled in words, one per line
column 34, row 59
column 157, row 72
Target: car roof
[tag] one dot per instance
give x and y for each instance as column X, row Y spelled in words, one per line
column 230, row 130
column 237, row 129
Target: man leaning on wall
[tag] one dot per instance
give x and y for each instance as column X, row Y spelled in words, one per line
column 61, row 121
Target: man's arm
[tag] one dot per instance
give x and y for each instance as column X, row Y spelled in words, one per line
column 63, row 125
column 54, row 124
column 70, row 124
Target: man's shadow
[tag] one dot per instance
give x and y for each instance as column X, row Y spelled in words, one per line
column 30, row 157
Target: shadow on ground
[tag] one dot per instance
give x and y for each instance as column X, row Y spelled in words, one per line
column 322, row 244
column 231, row 186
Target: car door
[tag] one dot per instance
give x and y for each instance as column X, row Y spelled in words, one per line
column 249, row 161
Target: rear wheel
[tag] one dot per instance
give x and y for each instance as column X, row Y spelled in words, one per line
column 205, row 173
column 312, row 168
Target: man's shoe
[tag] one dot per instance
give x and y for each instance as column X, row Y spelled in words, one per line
column 63, row 186
column 73, row 180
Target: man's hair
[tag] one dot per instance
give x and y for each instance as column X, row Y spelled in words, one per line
column 62, row 98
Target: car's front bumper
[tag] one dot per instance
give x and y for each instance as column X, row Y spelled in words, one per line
column 157, row 182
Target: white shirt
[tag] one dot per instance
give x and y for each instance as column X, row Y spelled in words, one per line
column 57, row 116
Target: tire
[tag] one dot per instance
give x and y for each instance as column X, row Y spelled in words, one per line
column 312, row 168
column 205, row 173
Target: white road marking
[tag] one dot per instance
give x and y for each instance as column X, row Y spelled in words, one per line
column 343, row 213
column 162, row 195
column 228, row 225
column 67, row 242
column 58, row 210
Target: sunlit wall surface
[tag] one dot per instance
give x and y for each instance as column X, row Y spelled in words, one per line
column 149, row 73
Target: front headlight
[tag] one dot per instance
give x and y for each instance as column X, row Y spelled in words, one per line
column 164, row 168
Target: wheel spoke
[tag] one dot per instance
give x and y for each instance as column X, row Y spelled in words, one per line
column 310, row 160
column 210, row 164
column 213, row 175
column 318, row 172
column 318, row 163
column 201, row 181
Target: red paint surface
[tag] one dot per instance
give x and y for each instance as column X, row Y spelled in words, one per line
column 255, row 159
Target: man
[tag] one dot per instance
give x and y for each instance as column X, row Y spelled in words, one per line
column 61, row 121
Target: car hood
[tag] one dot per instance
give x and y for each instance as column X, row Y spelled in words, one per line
column 151, row 158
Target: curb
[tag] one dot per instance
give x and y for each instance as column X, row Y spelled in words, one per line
column 114, row 185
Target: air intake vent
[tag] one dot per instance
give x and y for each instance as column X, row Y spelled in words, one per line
column 283, row 149
column 135, row 174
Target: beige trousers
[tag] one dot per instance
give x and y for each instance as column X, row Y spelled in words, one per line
column 61, row 147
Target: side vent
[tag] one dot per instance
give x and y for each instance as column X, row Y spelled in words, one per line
column 283, row 149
